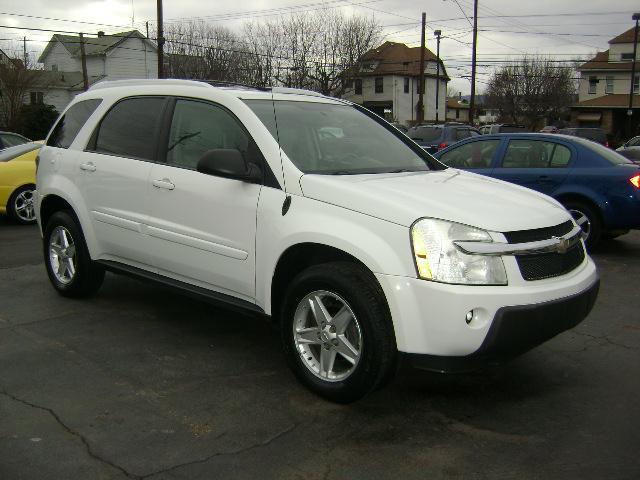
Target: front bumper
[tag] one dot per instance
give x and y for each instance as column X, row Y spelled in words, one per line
column 515, row 330
column 429, row 318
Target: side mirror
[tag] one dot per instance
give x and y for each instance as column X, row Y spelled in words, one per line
column 228, row 163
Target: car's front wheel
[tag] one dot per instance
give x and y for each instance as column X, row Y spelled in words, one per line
column 337, row 332
column 71, row 270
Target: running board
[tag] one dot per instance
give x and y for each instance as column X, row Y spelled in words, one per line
column 193, row 291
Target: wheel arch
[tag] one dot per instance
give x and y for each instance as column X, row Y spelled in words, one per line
column 563, row 198
column 300, row 256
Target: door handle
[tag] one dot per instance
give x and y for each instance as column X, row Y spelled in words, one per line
column 89, row 167
column 164, row 183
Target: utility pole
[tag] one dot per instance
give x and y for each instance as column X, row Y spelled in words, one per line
column 421, row 80
column 437, row 33
column 24, row 49
column 160, row 42
column 472, row 104
column 83, row 56
column 636, row 17
column 147, row 25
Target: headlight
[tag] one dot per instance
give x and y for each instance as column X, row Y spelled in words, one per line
column 438, row 259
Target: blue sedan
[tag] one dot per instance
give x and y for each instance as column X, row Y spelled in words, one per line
column 598, row 186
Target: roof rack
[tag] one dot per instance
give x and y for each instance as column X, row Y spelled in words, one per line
column 296, row 91
column 222, row 83
column 146, row 81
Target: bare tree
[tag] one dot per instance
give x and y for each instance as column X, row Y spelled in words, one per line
column 532, row 90
column 16, row 81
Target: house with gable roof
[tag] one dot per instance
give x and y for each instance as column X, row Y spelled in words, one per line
column 108, row 57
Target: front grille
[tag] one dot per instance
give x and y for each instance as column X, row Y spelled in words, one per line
column 522, row 236
column 546, row 265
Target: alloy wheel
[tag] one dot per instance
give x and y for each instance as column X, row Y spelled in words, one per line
column 327, row 336
column 23, row 206
column 582, row 220
column 62, row 255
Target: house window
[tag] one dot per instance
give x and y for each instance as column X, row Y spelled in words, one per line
column 457, row 113
column 37, row 98
column 379, row 84
column 358, row 86
column 636, row 84
column 593, row 84
column 609, row 86
column 406, row 84
column 54, row 68
column 349, row 84
column 626, row 57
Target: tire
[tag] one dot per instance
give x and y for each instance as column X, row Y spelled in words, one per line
column 20, row 207
column 593, row 225
column 69, row 266
column 363, row 331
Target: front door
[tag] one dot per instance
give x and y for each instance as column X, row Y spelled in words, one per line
column 203, row 227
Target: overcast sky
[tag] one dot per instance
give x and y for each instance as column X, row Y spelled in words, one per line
column 564, row 29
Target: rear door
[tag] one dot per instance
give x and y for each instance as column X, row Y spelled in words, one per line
column 541, row 165
column 114, row 173
column 203, row 227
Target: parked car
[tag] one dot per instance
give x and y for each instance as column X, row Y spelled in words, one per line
column 593, row 134
column 361, row 246
column 436, row 137
column 10, row 139
column 502, row 128
column 631, row 149
column 549, row 129
column 18, row 182
column 597, row 185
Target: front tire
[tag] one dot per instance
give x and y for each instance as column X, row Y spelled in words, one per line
column 20, row 207
column 337, row 332
column 69, row 266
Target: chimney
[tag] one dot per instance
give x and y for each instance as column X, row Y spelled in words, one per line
column 459, row 95
column 100, row 33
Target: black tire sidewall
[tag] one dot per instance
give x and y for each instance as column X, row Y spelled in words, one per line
column 369, row 307
column 11, row 211
column 88, row 277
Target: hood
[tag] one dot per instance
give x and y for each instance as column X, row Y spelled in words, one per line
column 449, row 194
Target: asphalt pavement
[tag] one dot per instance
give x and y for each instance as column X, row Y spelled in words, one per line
column 141, row 382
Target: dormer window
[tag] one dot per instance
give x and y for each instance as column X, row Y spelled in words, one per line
column 626, row 57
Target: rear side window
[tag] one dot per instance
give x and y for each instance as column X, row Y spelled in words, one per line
column 10, row 140
column 65, row 131
column 462, row 133
column 130, row 128
column 536, row 154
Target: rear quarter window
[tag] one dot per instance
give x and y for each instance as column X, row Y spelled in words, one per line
column 69, row 124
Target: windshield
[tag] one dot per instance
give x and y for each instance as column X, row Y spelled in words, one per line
column 335, row 139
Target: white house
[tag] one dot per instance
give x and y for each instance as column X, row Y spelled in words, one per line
column 603, row 95
column 109, row 57
column 387, row 80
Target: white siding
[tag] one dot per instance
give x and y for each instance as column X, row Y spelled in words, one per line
column 95, row 65
column 58, row 97
column 60, row 56
column 133, row 58
column 617, row 49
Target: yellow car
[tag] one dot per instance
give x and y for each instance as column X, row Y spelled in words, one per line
column 18, row 181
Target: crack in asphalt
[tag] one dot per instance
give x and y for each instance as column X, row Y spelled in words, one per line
column 606, row 339
column 264, row 443
column 72, row 432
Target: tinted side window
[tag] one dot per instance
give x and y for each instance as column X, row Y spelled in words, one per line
column 65, row 131
column 197, row 127
column 12, row 140
column 534, row 154
column 462, row 133
column 560, row 157
column 471, row 155
column 130, row 128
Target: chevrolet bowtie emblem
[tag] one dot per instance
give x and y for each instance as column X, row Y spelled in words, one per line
column 563, row 245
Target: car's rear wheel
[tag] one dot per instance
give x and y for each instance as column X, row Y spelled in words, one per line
column 336, row 331
column 20, row 207
column 589, row 221
column 71, row 270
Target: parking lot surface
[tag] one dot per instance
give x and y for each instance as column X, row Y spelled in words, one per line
column 141, row 382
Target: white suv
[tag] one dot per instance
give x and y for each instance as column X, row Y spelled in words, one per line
column 315, row 212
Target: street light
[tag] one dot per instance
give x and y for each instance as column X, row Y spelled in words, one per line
column 437, row 33
column 636, row 17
